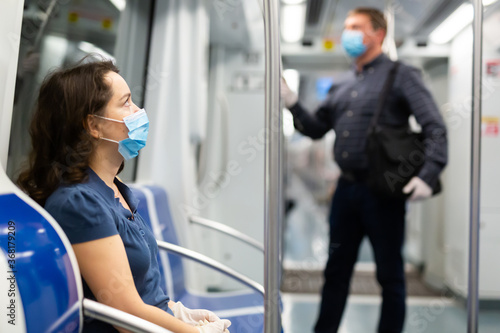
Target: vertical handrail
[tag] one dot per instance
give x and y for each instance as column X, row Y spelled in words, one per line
column 272, row 178
column 477, row 59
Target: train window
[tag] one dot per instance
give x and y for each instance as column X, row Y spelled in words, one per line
column 60, row 33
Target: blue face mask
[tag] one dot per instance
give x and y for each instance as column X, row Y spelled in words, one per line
column 352, row 42
column 138, row 127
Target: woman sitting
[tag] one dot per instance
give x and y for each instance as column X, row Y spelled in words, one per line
column 85, row 125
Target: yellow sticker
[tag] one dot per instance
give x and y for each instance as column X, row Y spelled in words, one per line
column 107, row 23
column 73, row 17
column 328, row 44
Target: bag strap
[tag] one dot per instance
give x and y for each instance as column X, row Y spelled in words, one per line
column 383, row 95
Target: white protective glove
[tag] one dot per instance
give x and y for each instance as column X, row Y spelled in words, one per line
column 289, row 97
column 192, row 316
column 419, row 188
column 215, row 327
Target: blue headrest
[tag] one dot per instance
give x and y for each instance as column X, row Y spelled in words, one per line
column 36, row 250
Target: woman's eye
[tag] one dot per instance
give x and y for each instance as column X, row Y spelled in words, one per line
column 127, row 103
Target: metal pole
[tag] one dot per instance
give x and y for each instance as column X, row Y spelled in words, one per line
column 477, row 59
column 272, row 178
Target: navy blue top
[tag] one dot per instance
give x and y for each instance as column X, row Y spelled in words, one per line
column 350, row 106
column 90, row 211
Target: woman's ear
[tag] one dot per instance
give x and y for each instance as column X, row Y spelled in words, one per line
column 92, row 127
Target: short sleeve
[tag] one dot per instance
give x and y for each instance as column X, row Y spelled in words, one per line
column 82, row 214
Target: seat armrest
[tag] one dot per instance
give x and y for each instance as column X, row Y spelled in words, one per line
column 209, row 262
column 226, row 230
column 110, row 315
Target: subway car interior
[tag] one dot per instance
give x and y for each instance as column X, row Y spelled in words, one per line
column 240, row 211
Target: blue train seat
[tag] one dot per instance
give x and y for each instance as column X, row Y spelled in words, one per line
column 244, row 308
column 35, row 249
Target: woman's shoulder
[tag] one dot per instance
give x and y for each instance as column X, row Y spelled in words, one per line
column 72, row 192
column 82, row 212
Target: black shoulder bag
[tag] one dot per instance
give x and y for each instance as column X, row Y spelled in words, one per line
column 395, row 154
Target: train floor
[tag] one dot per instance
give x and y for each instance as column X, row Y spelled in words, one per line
column 424, row 315
column 428, row 310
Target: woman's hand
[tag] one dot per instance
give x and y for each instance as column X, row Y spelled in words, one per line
column 196, row 316
column 219, row 326
column 192, row 316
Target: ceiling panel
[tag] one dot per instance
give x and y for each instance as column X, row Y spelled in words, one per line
column 410, row 15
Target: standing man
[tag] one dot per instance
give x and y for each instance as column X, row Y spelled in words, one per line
column 355, row 210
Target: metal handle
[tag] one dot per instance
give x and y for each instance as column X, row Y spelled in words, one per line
column 204, row 260
column 227, row 230
column 273, row 196
column 477, row 60
column 107, row 314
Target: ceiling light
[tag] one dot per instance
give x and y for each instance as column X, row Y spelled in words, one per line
column 488, row 2
column 459, row 19
column 296, row 2
column 91, row 49
column 119, row 4
column 293, row 21
column 452, row 25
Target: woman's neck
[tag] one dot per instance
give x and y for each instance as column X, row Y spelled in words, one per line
column 105, row 168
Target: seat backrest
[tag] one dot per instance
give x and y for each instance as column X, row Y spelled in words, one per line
column 155, row 209
column 43, row 271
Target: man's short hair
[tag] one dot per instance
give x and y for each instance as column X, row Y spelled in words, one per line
column 376, row 16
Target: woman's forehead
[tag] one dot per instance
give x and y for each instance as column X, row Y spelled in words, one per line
column 116, row 82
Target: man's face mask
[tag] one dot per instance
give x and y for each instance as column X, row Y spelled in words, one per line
column 352, row 42
column 138, row 126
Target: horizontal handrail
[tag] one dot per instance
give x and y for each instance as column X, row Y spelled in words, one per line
column 204, row 260
column 115, row 317
column 226, row 230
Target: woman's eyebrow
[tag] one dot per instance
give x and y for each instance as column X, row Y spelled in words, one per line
column 127, row 95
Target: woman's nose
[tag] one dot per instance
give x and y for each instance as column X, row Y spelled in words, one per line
column 135, row 108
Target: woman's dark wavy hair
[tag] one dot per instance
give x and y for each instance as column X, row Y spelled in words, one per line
column 61, row 142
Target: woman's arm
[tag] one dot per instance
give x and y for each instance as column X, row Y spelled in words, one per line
column 104, row 266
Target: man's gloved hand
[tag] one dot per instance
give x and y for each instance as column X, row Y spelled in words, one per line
column 289, row 97
column 215, row 327
column 193, row 316
column 418, row 188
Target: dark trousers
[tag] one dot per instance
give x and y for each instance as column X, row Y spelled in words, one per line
column 357, row 212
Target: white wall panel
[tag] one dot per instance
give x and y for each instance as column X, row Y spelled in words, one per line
column 457, row 183
column 457, row 176
column 11, row 15
column 238, row 156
